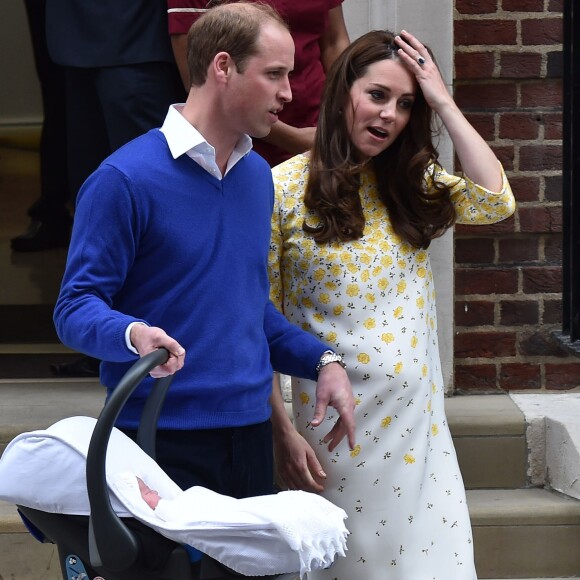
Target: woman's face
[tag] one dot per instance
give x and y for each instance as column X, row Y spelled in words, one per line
column 380, row 106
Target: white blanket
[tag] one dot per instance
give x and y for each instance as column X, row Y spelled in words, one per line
column 286, row 532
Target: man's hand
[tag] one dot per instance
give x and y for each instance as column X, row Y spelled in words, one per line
column 149, row 338
column 333, row 389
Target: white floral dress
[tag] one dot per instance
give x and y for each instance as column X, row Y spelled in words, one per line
column 373, row 301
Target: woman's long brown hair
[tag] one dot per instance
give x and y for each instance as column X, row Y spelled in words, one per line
column 332, row 191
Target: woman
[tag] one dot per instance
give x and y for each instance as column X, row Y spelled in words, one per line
column 352, row 225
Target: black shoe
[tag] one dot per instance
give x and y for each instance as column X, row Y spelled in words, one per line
column 43, row 235
column 84, row 367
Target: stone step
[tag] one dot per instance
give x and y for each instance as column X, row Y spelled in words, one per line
column 525, row 533
column 489, row 434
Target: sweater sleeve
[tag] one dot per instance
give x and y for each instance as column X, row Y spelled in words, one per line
column 102, row 249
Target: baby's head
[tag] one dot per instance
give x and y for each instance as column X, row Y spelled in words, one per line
column 150, row 496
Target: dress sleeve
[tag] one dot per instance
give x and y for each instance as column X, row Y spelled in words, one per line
column 473, row 203
column 181, row 14
column 275, row 256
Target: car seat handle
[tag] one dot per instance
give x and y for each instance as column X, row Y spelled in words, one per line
column 111, row 543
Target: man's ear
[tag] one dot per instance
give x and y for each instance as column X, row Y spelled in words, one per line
column 222, row 66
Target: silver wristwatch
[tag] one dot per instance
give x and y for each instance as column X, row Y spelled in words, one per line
column 329, row 357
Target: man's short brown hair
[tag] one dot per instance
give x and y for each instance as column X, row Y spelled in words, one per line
column 228, row 27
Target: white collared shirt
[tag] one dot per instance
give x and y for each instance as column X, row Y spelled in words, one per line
column 182, row 137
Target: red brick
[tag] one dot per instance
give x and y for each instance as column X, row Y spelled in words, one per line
column 563, row 376
column 519, row 312
column 523, row 5
column 476, row 6
column 519, row 250
column 553, row 126
column 485, row 32
column 525, row 187
column 553, row 249
column 506, row 155
column 541, row 344
column 547, row 93
column 474, row 65
column 536, row 31
column 475, row 377
column 540, row 219
column 485, row 344
column 520, row 65
column 519, row 126
column 486, row 97
column 556, row 6
column 540, row 158
column 474, row 250
column 485, row 281
column 505, row 226
column 474, row 313
column 553, row 187
column 538, row 280
column 483, row 123
column 553, row 312
column 514, row 376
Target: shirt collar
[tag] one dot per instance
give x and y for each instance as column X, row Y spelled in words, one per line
column 183, row 138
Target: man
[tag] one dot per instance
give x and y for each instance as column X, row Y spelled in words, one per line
column 169, row 249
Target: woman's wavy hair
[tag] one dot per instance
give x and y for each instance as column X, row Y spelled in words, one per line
column 332, row 191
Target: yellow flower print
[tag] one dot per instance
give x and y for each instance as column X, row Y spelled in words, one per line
column 330, row 285
column 354, row 452
column 383, row 284
column 345, row 257
column 386, row 422
column 318, row 274
column 424, row 370
column 357, row 401
column 303, row 265
column 305, row 326
column 377, row 270
column 290, row 202
column 365, row 259
column 363, row 358
column 338, row 310
column 318, row 317
column 385, row 247
column 370, row 297
column 352, row 290
column 388, row 337
column 309, row 254
column 330, row 336
column 304, row 398
column 387, row 261
column 409, row 459
column 352, row 268
column 421, row 272
column 336, row 270
column 324, row 298
column 421, row 256
column 420, row 302
column 434, row 429
column 429, row 406
column 365, row 276
column 432, row 323
column 402, row 264
column 399, row 368
column 369, row 323
column 398, row 312
column 401, row 286
column 307, row 303
column 414, row 342
column 433, row 388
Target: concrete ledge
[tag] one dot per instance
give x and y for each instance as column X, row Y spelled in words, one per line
column 553, row 439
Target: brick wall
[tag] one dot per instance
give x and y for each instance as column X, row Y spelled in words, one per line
column 508, row 81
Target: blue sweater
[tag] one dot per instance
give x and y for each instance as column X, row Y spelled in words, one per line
column 160, row 240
